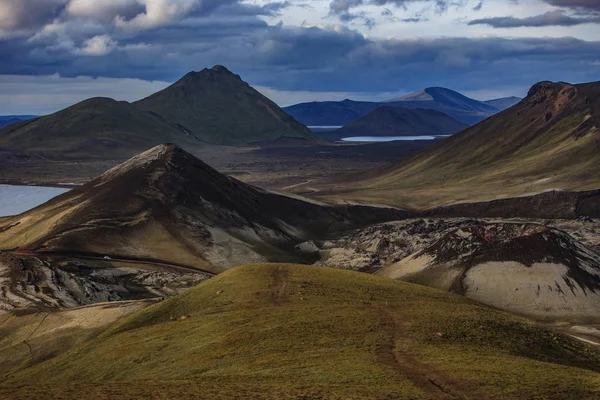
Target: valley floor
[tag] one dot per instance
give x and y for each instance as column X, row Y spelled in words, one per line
column 275, row 166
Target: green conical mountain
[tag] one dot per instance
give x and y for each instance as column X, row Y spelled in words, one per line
column 217, row 106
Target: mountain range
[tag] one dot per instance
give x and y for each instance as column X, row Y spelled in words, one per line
column 548, row 141
column 213, row 106
column 339, row 113
column 165, row 278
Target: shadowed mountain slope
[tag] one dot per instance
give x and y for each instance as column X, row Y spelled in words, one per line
column 393, row 121
column 525, row 268
column 216, row 106
column 458, row 106
column 550, row 140
column 289, row 331
column 339, row 113
column 212, row 106
column 97, row 127
column 166, row 205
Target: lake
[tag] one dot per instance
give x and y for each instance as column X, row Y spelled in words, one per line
column 18, row 199
column 390, row 138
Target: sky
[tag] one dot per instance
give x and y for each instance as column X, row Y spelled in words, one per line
column 54, row 53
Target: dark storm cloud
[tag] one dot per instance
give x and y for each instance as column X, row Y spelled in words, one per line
column 590, row 5
column 550, row 18
column 21, row 14
column 317, row 59
column 82, row 38
column 19, row 17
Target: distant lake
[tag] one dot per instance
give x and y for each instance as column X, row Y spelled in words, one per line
column 18, row 199
column 390, row 138
column 324, row 127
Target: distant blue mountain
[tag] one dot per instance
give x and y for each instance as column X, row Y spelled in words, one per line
column 504, row 102
column 335, row 113
column 6, row 120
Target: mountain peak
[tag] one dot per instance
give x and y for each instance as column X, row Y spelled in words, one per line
column 546, row 89
column 159, row 156
column 220, row 68
column 217, row 106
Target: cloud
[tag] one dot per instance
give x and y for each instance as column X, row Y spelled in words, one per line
column 104, row 10
column 21, row 14
column 550, row 18
column 97, row 46
column 590, row 5
column 159, row 40
column 117, row 17
column 343, row 7
column 320, row 59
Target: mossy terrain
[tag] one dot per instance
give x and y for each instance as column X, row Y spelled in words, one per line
column 289, row 331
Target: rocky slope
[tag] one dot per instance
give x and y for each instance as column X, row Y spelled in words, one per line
column 167, row 206
column 51, row 283
column 525, row 268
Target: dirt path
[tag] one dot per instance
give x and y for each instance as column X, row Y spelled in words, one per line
column 281, row 279
column 297, row 185
column 433, row 383
column 32, row 333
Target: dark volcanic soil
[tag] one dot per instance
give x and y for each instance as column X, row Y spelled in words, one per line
column 274, row 165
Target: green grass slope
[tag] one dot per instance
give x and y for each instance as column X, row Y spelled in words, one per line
column 548, row 141
column 97, row 127
column 216, row 106
column 287, row 331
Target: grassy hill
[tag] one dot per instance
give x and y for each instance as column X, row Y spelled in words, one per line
column 97, row 128
column 394, row 121
column 550, row 140
column 289, row 331
column 216, row 106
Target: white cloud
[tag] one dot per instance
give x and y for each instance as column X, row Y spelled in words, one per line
column 100, row 45
column 158, row 13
